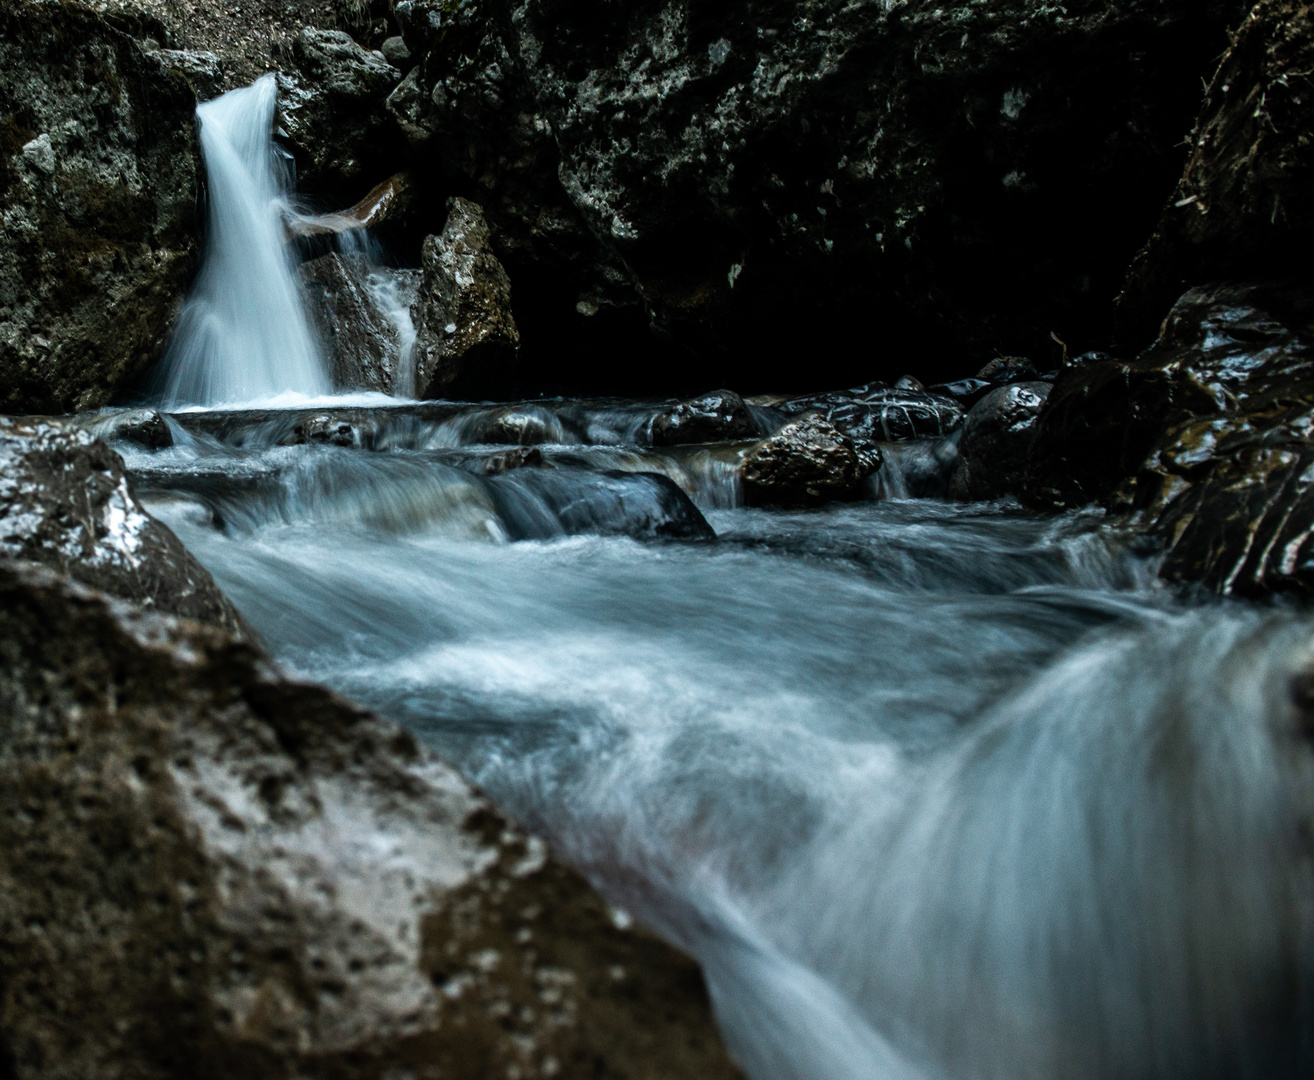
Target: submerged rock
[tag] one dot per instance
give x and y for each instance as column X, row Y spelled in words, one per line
column 209, row 871
column 365, row 343
column 1244, row 208
column 65, row 502
column 1206, row 439
column 466, row 339
column 713, row 417
column 994, row 449
column 808, row 461
column 98, row 170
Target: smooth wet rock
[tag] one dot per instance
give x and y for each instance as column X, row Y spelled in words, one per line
column 209, row 871
column 1204, row 440
column 386, row 200
column 807, row 462
column 1244, row 207
column 467, row 342
column 362, row 342
column 876, row 413
column 98, row 174
column 142, row 427
column 65, row 502
column 994, row 449
column 714, row 417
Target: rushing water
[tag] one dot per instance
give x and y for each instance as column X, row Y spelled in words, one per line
column 243, row 332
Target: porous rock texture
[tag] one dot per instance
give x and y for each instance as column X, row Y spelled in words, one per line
column 770, row 179
column 98, row 171
column 466, row 338
column 1206, row 439
column 65, row 502
column 807, row 462
column 1243, row 208
column 209, row 871
column 994, row 449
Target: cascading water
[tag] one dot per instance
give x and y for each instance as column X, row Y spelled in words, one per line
column 243, row 334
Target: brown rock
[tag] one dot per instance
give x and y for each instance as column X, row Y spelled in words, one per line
column 466, row 337
column 806, row 462
column 208, row 871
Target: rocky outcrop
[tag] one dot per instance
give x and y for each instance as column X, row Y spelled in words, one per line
column 364, row 341
column 208, row 871
column 770, row 180
column 1243, row 208
column 466, row 339
column 65, row 502
column 807, row 462
column 1205, row 439
column 98, row 171
column 711, row 418
column 994, row 449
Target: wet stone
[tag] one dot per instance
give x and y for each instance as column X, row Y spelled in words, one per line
column 875, row 414
column 994, row 448
column 807, row 462
column 714, row 417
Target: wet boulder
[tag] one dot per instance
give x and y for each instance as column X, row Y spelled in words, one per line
column 362, row 316
column 714, row 417
column 877, row 413
column 807, row 462
column 98, row 174
column 209, row 871
column 994, row 448
column 140, row 427
column 1244, row 206
column 467, row 342
column 65, row 502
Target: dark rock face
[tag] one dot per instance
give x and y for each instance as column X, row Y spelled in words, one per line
column 98, row 170
column 1205, row 439
column 466, row 340
column 235, row 875
column 65, row 502
column 807, row 462
column 710, row 418
column 363, row 344
column 994, row 449
column 875, row 414
column 1243, row 208
column 754, row 173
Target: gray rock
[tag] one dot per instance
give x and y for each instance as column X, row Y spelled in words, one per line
column 875, row 414
column 200, row 67
column 466, row 339
column 142, row 427
column 994, row 450
column 808, row 461
column 210, row 871
column 65, row 502
column 98, row 171
column 362, row 340
column 711, row 418
column 395, row 51
column 342, row 68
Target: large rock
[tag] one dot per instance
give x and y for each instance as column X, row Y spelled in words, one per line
column 1244, row 208
column 65, row 502
column 98, row 169
column 807, row 462
column 362, row 316
column 208, row 871
column 877, row 413
column 772, row 180
column 1207, row 439
column 994, row 449
column 466, row 342
column 713, row 417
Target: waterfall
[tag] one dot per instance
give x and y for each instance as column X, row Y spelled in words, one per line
column 243, row 334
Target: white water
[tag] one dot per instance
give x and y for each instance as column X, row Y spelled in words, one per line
column 243, row 334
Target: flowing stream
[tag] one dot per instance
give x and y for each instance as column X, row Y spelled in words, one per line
column 933, row 791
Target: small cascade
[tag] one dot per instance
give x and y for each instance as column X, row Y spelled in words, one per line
column 243, row 334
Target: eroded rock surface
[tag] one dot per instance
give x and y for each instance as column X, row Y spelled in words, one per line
column 807, row 462
column 65, row 502
column 208, row 871
column 467, row 342
column 98, row 171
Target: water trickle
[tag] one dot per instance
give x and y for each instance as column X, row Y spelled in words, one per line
column 243, row 334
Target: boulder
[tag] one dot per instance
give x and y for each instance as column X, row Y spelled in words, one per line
column 1244, row 207
column 807, row 462
column 65, row 502
column 713, row 417
column 994, row 449
column 876, row 413
column 209, row 871
column 1205, row 439
column 362, row 316
column 98, row 171
column 466, row 342
column 770, row 180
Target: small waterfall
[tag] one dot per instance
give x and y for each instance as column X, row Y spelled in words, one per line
column 243, row 335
